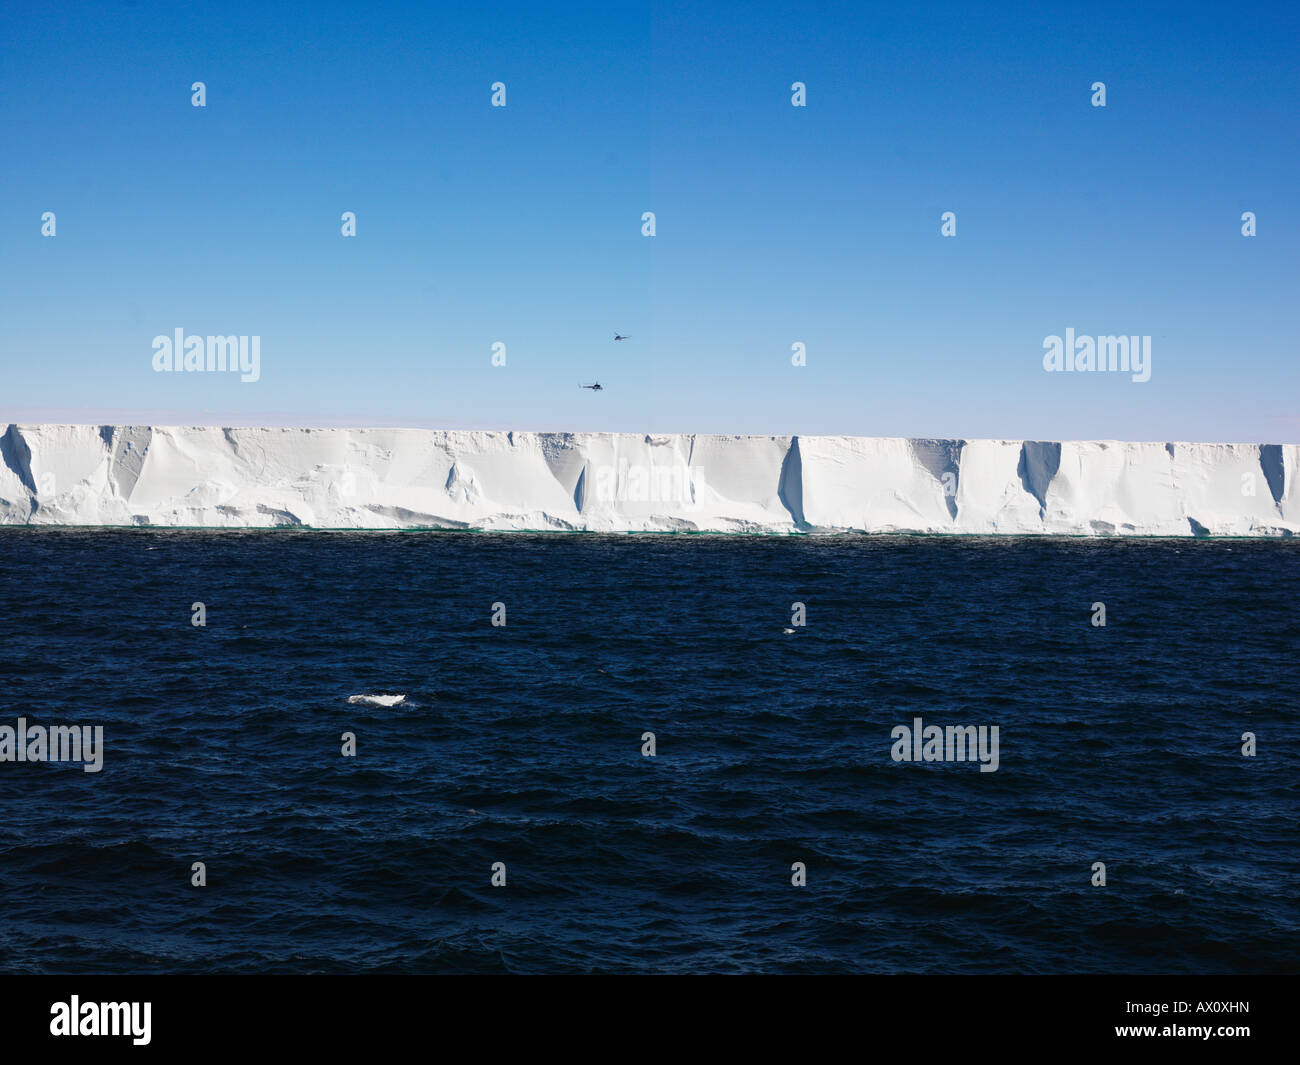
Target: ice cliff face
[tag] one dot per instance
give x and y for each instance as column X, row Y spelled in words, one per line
column 605, row 482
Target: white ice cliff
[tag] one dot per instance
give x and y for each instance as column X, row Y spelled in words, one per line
column 609, row 482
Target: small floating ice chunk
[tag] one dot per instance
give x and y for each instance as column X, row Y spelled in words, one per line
column 377, row 700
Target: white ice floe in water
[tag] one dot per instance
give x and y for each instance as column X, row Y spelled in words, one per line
column 377, row 700
column 622, row 482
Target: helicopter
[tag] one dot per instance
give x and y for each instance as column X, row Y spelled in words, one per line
column 597, row 387
column 620, row 337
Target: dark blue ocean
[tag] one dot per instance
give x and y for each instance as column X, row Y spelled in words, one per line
column 521, row 744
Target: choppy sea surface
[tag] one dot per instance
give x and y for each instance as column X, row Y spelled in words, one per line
column 522, row 744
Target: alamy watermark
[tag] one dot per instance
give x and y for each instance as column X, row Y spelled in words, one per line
column 1114, row 354
column 215, row 354
column 56, row 743
column 631, row 482
column 75, row 1017
column 954, row 743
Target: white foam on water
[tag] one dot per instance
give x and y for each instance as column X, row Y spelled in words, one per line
column 377, row 700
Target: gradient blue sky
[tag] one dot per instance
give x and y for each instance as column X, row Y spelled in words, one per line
column 775, row 224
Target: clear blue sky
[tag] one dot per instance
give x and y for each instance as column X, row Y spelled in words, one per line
column 775, row 224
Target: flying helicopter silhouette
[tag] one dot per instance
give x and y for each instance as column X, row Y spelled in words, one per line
column 597, row 387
